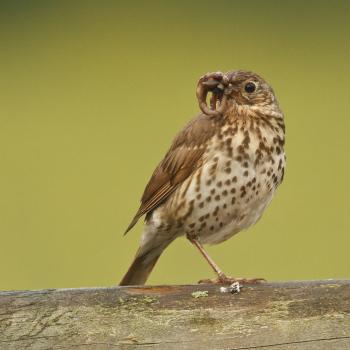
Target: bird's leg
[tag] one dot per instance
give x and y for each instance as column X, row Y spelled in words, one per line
column 222, row 278
column 206, row 256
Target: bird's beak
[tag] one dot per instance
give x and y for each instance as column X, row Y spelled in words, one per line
column 216, row 84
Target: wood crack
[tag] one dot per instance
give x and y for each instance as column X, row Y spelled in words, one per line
column 290, row 343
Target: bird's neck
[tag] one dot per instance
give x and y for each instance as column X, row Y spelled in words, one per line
column 266, row 116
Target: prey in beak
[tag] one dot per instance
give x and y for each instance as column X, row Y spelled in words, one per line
column 216, row 84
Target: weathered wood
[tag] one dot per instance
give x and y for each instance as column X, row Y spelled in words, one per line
column 280, row 316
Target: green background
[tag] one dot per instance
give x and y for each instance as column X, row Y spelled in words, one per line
column 91, row 95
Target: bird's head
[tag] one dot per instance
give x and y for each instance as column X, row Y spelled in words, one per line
column 241, row 88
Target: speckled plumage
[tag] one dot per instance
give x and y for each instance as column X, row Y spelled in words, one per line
column 220, row 173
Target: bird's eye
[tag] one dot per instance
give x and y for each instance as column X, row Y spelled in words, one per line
column 250, row 87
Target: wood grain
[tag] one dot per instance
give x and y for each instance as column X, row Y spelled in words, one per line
column 277, row 316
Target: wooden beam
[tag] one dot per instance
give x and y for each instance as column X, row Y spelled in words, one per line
column 276, row 316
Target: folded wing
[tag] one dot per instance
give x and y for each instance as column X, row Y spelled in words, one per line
column 182, row 159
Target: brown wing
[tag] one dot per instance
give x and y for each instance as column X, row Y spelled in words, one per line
column 181, row 160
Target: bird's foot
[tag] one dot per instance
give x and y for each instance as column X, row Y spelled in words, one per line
column 229, row 280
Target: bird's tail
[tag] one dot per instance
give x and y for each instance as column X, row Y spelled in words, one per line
column 141, row 267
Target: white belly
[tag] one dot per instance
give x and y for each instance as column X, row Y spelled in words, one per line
column 234, row 205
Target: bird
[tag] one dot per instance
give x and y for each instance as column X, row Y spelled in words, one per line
column 219, row 174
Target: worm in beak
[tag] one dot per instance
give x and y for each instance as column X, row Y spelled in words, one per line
column 216, row 83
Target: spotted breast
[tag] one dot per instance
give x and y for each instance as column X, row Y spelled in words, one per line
column 242, row 166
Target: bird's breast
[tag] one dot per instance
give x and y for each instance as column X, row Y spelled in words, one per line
column 240, row 172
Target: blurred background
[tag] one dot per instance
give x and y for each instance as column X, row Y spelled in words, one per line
column 92, row 93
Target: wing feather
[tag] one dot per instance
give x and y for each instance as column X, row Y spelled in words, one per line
column 181, row 160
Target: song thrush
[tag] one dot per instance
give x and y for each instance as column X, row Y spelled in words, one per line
column 219, row 174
